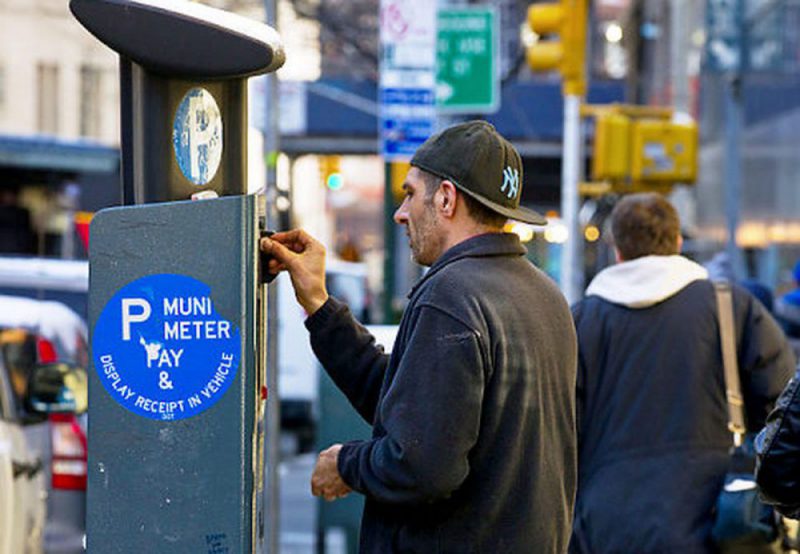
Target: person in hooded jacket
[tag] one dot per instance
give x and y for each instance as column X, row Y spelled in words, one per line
column 652, row 413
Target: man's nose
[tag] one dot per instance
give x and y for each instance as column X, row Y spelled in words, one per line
column 401, row 215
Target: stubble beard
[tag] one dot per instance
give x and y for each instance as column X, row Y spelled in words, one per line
column 424, row 238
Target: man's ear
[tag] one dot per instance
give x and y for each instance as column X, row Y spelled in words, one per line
column 446, row 198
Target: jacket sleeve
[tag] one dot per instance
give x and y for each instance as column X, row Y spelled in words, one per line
column 349, row 355
column 430, row 414
column 766, row 360
column 778, row 453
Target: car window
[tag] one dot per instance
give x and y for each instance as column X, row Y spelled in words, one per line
column 18, row 353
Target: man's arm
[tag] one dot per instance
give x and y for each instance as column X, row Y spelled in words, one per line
column 349, row 355
column 431, row 415
column 346, row 350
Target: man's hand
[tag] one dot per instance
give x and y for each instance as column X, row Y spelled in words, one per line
column 326, row 481
column 304, row 258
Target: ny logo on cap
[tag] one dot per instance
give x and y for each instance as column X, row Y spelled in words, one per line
column 510, row 182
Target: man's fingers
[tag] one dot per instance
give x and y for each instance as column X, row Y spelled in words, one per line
column 297, row 241
column 296, row 238
column 275, row 267
column 277, row 250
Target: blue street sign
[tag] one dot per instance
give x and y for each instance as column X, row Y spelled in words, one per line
column 407, row 120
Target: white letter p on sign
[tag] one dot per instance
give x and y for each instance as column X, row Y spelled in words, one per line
column 128, row 317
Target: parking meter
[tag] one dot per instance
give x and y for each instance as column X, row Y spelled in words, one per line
column 177, row 391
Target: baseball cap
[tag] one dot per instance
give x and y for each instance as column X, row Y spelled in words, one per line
column 480, row 163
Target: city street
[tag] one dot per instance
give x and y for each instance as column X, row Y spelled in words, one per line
column 298, row 509
column 298, row 519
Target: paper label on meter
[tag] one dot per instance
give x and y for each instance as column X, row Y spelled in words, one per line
column 162, row 350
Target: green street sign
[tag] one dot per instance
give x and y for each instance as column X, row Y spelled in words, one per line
column 466, row 60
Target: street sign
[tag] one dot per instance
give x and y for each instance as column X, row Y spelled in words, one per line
column 766, row 35
column 724, row 23
column 467, row 60
column 407, row 76
column 746, row 35
column 407, row 120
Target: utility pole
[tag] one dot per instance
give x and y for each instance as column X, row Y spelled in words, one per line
column 733, row 167
column 273, row 415
column 568, row 19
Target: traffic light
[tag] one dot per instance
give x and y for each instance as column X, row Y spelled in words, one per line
column 330, row 172
column 643, row 147
column 612, row 156
column 567, row 19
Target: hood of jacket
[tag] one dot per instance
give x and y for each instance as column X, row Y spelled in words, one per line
column 645, row 281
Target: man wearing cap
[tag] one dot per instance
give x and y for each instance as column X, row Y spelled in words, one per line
column 473, row 414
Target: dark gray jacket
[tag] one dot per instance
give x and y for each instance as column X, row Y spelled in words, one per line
column 778, row 447
column 473, row 446
column 652, row 414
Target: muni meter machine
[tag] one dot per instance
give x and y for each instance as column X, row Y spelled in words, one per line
column 176, row 306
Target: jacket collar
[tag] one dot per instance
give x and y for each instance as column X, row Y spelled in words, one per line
column 486, row 245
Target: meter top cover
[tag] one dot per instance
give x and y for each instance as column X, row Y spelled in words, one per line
column 182, row 38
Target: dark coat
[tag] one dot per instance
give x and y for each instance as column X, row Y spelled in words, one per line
column 778, row 448
column 473, row 415
column 652, row 415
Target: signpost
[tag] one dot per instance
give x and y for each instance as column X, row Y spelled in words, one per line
column 467, row 61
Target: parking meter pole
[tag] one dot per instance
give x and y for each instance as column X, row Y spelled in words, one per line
column 177, row 302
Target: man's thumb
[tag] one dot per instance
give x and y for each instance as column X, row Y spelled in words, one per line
column 276, row 250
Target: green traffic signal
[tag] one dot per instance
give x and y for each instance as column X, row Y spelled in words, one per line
column 335, row 181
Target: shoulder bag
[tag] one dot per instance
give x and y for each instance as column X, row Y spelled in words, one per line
column 742, row 523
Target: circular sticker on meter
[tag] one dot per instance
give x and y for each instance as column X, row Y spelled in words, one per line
column 197, row 136
column 161, row 349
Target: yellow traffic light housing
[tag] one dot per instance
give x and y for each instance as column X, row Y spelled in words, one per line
column 611, row 160
column 567, row 19
column 640, row 148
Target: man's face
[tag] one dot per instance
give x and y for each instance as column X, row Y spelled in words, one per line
column 418, row 214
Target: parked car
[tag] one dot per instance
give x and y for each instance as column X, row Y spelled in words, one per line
column 22, row 486
column 37, row 333
column 42, row 350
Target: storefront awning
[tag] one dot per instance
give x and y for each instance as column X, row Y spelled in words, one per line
column 54, row 154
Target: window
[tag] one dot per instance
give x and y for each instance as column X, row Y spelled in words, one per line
column 90, row 101
column 48, row 98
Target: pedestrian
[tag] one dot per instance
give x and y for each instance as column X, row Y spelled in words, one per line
column 778, row 449
column 652, row 412
column 473, row 446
